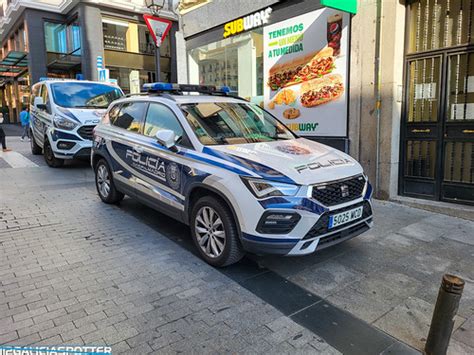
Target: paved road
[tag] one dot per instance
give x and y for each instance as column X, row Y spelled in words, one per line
column 74, row 270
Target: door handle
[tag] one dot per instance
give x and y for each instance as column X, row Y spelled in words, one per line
column 468, row 131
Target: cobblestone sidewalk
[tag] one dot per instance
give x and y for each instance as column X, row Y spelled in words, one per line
column 75, row 271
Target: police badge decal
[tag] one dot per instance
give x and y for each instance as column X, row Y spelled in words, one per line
column 173, row 176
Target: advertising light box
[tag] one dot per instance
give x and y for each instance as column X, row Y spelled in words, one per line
column 305, row 72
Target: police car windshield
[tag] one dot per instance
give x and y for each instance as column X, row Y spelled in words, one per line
column 84, row 95
column 223, row 123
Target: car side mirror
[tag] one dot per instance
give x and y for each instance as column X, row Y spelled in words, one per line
column 167, row 138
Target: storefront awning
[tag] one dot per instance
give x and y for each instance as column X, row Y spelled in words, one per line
column 13, row 64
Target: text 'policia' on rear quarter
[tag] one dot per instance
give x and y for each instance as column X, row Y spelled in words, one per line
column 236, row 175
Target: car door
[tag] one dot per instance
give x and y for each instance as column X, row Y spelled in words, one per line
column 162, row 181
column 125, row 145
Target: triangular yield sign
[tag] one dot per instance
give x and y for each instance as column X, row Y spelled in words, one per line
column 158, row 27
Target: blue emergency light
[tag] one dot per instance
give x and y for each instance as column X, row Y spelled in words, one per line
column 203, row 89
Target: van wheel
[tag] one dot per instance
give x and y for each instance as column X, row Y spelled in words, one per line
column 215, row 233
column 35, row 148
column 105, row 185
column 49, row 157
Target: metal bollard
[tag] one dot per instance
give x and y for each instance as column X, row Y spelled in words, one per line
column 446, row 308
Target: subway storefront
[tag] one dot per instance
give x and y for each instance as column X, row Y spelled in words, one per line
column 295, row 67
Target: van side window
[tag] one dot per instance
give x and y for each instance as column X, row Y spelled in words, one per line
column 34, row 93
column 160, row 117
column 44, row 94
column 131, row 116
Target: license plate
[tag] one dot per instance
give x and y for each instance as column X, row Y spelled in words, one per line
column 345, row 217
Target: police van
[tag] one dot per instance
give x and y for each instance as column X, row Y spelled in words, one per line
column 63, row 114
column 237, row 176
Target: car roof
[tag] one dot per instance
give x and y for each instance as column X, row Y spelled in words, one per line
column 183, row 99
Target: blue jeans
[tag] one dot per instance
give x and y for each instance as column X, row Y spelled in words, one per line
column 26, row 131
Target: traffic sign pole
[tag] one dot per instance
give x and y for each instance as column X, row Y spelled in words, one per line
column 157, row 63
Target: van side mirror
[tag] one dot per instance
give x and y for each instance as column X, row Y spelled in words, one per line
column 167, row 138
column 38, row 101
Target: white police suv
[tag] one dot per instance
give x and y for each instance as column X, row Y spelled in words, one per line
column 63, row 114
column 237, row 176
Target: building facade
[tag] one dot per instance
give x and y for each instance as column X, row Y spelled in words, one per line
column 404, row 102
column 58, row 38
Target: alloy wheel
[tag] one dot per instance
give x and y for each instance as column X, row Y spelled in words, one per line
column 103, row 180
column 210, row 232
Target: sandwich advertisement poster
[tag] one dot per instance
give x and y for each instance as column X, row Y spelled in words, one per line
column 305, row 72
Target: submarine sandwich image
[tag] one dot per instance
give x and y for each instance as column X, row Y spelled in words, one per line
column 307, row 67
column 322, row 90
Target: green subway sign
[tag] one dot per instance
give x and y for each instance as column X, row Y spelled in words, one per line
column 344, row 5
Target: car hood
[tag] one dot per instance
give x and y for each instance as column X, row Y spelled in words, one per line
column 299, row 161
column 84, row 116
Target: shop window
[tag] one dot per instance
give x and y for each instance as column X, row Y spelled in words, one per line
column 55, row 37
column 74, row 36
column 127, row 78
column 236, row 62
column 62, row 38
column 20, row 40
column 115, row 34
column 146, row 44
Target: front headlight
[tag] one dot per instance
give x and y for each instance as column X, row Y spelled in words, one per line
column 64, row 123
column 264, row 188
column 366, row 185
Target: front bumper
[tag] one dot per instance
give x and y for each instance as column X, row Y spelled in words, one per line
column 69, row 144
column 317, row 238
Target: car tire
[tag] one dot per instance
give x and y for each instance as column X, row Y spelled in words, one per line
column 104, row 183
column 49, row 157
column 35, row 148
column 219, row 245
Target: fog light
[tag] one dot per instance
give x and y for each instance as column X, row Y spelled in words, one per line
column 277, row 222
column 65, row 145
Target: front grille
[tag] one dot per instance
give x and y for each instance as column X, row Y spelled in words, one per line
column 86, row 132
column 335, row 193
column 321, row 226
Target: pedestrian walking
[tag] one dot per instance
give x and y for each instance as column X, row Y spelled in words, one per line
column 3, row 140
column 25, row 122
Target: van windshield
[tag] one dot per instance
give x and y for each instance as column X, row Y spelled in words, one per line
column 84, row 95
column 222, row 123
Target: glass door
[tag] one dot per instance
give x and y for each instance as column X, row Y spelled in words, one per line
column 437, row 132
column 422, row 127
column 458, row 147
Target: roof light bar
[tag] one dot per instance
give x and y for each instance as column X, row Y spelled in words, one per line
column 44, row 78
column 205, row 89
